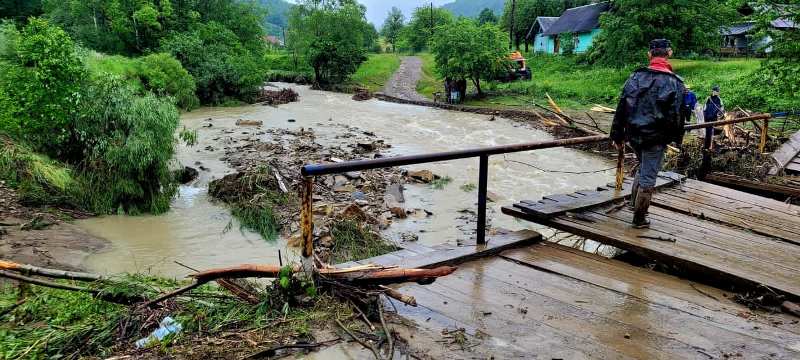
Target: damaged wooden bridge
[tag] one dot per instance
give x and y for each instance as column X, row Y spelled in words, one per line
column 515, row 295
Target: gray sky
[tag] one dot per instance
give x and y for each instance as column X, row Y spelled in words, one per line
column 377, row 9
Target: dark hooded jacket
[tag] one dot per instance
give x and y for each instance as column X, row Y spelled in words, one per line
column 648, row 112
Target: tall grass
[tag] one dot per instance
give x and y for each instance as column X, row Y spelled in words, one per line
column 353, row 241
column 576, row 85
column 38, row 178
column 374, row 73
column 429, row 83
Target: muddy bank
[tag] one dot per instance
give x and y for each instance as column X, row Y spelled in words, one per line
column 43, row 236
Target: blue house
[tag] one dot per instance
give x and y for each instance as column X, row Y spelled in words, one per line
column 582, row 22
column 541, row 42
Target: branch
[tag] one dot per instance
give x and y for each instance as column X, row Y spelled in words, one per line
column 113, row 298
column 51, row 273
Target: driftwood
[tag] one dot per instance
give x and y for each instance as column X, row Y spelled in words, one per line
column 394, row 294
column 373, row 274
column 791, row 308
column 114, row 298
column 51, row 273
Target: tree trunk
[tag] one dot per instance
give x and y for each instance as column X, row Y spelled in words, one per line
column 477, row 82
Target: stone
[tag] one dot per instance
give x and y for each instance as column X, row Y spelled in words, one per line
column 242, row 122
column 492, row 196
column 424, row 176
column 353, row 175
column 396, row 191
column 367, row 146
column 358, row 195
column 187, row 175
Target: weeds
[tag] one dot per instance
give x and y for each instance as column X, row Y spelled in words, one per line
column 376, row 71
column 61, row 324
column 441, row 183
column 468, row 187
column 353, row 242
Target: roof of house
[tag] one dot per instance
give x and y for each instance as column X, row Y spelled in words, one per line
column 746, row 27
column 544, row 22
column 579, row 19
column 738, row 29
column 784, row 24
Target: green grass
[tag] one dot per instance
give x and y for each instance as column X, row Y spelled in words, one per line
column 579, row 86
column 441, row 183
column 122, row 66
column 55, row 324
column 353, row 241
column 374, row 73
column 429, row 83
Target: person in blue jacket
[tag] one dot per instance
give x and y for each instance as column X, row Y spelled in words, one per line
column 689, row 103
column 713, row 111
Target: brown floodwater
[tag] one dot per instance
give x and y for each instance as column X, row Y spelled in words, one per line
column 201, row 233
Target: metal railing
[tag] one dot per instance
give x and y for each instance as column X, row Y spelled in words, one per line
column 312, row 170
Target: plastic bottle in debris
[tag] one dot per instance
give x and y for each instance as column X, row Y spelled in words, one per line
column 166, row 327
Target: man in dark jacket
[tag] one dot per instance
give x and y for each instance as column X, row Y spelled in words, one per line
column 648, row 118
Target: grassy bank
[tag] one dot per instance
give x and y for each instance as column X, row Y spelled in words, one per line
column 374, row 73
column 578, row 86
column 39, row 323
column 429, row 83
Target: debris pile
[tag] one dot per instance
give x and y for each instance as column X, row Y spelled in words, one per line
column 268, row 174
column 362, row 95
column 277, row 97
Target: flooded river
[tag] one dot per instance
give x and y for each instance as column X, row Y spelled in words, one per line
column 202, row 234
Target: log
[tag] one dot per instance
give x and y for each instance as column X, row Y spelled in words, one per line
column 367, row 274
column 791, row 308
column 51, row 273
column 394, row 294
column 117, row 299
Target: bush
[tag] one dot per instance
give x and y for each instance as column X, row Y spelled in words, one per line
column 165, row 76
column 127, row 142
column 42, row 76
column 38, row 179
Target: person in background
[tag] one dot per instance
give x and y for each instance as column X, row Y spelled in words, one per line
column 689, row 103
column 714, row 110
column 648, row 117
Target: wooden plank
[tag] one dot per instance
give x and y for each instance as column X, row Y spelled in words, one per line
column 760, row 187
column 788, row 151
column 561, row 307
column 579, row 201
column 686, row 253
column 749, row 217
column 416, row 247
column 453, row 255
column 772, row 253
column 726, row 194
column 658, row 288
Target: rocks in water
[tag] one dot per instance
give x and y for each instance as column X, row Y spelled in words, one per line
column 353, row 175
column 358, row 195
column 277, row 97
column 186, row 175
column 396, row 191
column 291, row 120
column 493, row 197
column 409, row 237
column 423, row 176
column 362, row 95
column 242, row 122
column 367, row 146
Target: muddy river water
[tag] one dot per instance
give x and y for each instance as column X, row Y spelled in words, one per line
column 202, row 234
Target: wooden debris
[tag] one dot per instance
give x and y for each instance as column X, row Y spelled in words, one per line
column 791, row 308
column 51, row 273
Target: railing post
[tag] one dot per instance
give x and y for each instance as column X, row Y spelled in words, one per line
column 483, row 178
column 307, row 222
column 763, row 143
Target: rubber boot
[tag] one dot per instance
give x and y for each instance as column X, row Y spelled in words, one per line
column 643, row 197
column 634, row 193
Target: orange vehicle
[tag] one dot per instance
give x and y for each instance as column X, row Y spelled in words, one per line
column 519, row 68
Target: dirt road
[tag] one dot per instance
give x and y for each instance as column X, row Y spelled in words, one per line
column 404, row 82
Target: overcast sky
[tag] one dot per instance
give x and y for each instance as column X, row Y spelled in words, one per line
column 378, row 9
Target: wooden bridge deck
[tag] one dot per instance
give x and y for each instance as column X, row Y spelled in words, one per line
column 548, row 301
column 727, row 234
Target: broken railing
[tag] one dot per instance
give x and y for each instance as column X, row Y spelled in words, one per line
column 312, row 170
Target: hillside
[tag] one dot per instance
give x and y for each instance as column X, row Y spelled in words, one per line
column 471, row 8
column 277, row 15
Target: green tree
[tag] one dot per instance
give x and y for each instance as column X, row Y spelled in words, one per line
column 331, row 36
column 487, row 16
column 629, row 26
column 424, row 24
column 43, row 75
column 20, row 10
column 392, row 26
column 465, row 50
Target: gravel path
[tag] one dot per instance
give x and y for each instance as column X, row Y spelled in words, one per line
column 404, row 82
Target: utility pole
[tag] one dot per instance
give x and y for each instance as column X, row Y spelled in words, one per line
column 511, row 25
column 432, row 22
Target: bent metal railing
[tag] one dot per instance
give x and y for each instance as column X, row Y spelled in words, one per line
column 312, row 170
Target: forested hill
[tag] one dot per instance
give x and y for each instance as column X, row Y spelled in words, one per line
column 471, row 8
column 277, row 15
